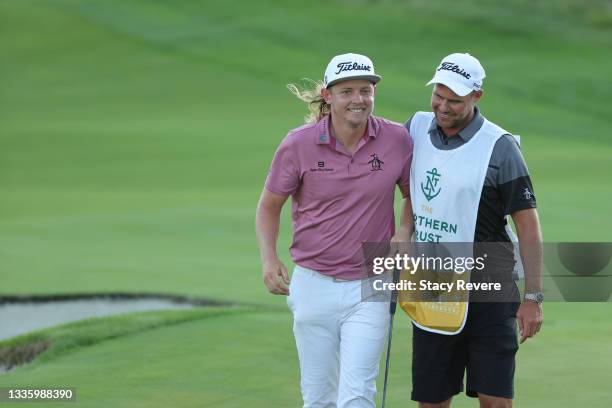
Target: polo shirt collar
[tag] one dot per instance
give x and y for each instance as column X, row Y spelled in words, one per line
column 324, row 133
column 468, row 132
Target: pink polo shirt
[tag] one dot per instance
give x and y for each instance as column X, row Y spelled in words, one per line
column 340, row 200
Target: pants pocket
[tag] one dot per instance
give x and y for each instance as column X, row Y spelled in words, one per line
column 292, row 289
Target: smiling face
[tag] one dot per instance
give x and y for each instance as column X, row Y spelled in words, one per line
column 351, row 101
column 453, row 112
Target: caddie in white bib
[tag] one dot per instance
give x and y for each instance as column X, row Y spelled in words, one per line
column 467, row 177
column 445, row 189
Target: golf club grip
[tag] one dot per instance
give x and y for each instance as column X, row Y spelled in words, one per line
column 392, row 307
column 393, row 302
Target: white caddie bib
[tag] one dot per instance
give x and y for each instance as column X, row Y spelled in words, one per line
column 445, row 189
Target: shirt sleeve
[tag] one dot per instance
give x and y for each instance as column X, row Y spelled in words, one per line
column 408, row 122
column 404, row 180
column 284, row 176
column 513, row 180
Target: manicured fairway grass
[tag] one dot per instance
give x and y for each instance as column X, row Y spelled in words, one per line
column 135, row 138
column 248, row 359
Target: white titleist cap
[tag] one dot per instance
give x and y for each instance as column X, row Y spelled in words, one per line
column 462, row 73
column 349, row 66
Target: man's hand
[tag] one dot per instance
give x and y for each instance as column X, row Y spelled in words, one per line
column 267, row 223
column 403, row 234
column 530, row 319
column 400, row 242
column 275, row 277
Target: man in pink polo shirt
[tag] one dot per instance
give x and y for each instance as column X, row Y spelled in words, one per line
column 340, row 170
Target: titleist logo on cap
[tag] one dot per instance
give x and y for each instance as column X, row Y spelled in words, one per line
column 348, row 66
column 352, row 66
column 450, row 66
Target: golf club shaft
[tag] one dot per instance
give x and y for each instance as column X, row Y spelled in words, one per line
column 392, row 308
column 387, row 361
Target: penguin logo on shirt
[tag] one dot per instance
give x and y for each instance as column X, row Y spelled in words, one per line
column 376, row 162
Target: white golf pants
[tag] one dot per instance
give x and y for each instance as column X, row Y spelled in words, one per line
column 339, row 340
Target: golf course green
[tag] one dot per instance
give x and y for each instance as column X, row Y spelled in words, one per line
column 135, row 138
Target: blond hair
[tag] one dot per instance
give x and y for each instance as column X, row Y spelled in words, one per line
column 310, row 92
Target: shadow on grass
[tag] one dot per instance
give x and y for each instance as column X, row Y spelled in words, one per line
column 19, row 354
column 4, row 299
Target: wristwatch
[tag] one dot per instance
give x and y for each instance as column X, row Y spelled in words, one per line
column 535, row 297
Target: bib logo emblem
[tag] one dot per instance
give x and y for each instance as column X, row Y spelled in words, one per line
column 429, row 190
column 376, row 162
column 527, row 195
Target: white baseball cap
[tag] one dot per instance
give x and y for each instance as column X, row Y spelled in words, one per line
column 462, row 73
column 349, row 66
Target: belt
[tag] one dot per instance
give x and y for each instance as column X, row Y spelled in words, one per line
column 320, row 275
